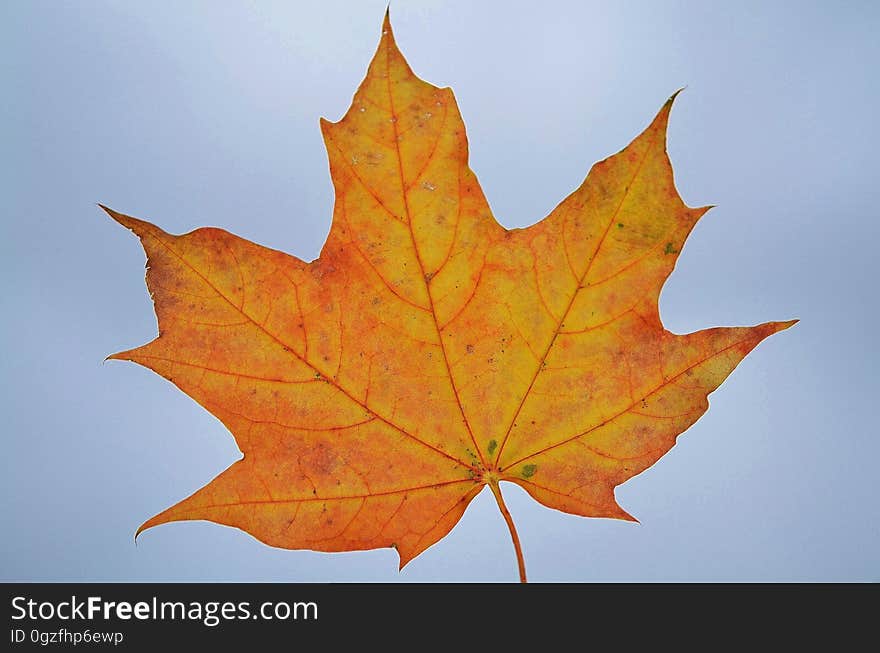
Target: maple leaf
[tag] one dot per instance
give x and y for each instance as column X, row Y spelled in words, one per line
column 429, row 352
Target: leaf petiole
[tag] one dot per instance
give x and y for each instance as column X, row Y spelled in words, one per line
column 520, row 561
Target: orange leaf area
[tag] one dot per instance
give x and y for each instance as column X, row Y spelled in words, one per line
column 429, row 351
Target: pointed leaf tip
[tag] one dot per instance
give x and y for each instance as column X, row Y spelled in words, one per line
column 776, row 327
column 140, row 529
column 113, row 214
column 386, row 23
column 666, row 109
column 135, row 225
column 623, row 515
column 387, row 42
column 768, row 329
column 661, row 119
column 121, row 218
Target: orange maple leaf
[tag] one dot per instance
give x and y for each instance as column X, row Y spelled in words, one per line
column 429, row 352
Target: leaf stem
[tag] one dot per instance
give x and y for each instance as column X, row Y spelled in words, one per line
column 520, row 561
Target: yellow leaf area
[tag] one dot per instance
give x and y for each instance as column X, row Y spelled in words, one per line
column 429, row 351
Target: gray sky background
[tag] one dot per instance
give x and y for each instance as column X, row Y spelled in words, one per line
column 199, row 113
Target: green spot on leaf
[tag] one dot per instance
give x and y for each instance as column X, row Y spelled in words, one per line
column 620, row 225
column 492, row 446
column 670, row 249
column 529, row 470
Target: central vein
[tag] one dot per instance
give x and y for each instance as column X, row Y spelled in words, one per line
column 403, row 189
